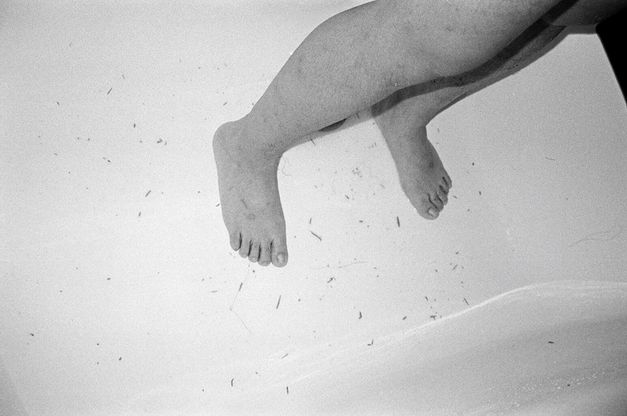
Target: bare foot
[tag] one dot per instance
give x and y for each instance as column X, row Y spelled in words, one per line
column 249, row 196
column 422, row 175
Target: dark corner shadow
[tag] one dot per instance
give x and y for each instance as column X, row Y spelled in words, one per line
column 611, row 32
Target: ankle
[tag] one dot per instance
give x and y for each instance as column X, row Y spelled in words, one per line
column 260, row 137
column 239, row 137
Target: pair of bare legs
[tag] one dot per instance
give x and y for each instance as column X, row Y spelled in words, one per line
column 407, row 60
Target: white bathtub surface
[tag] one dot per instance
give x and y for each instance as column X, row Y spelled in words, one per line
column 118, row 291
column 534, row 348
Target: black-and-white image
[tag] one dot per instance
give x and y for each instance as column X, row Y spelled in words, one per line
column 313, row 207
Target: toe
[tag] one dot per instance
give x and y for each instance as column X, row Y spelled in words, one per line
column 245, row 248
column 437, row 202
column 426, row 209
column 279, row 253
column 265, row 258
column 447, row 179
column 236, row 240
column 432, row 213
column 254, row 252
column 443, row 195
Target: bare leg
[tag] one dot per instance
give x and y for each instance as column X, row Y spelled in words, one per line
column 345, row 65
column 403, row 117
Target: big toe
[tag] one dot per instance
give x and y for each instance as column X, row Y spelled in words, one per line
column 425, row 208
column 279, row 252
column 236, row 240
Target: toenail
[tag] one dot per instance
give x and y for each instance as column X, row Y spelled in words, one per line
column 280, row 258
column 433, row 212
